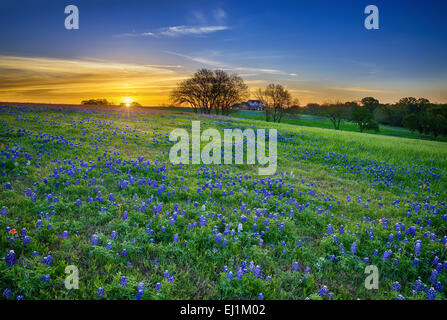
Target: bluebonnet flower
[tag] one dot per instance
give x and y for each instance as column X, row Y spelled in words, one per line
column 391, row 237
column 94, row 240
column 140, row 294
column 45, row 278
column 123, row 281
column 396, row 286
column 257, row 271
column 158, row 286
column 434, row 276
column 26, row 240
column 7, row 293
column 417, row 286
column 64, row 235
column 431, row 294
column 386, row 255
column 11, row 258
column 261, row 296
column 100, row 292
column 295, row 266
column 411, row 231
column 354, row 248
column 417, row 247
column 323, row 291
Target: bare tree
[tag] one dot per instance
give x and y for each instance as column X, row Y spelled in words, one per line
column 209, row 90
column 228, row 91
column 276, row 100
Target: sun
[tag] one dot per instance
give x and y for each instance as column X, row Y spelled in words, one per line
column 127, row 101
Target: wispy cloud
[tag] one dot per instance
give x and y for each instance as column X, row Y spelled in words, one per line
column 366, row 90
column 252, row 71
column 185, row 30
column 177, row 31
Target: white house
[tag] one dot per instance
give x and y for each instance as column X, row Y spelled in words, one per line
column 250, row 105
column 255, row 105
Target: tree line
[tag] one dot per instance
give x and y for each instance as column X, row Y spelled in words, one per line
column 417, row 114
column 105, row 102
column 218, row 92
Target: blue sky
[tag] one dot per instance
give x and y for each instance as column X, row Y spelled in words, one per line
column 320, row 50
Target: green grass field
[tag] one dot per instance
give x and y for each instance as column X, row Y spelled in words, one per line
column 95, row 189
column 321, row 122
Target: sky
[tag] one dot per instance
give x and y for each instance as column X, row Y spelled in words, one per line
column 319, row 50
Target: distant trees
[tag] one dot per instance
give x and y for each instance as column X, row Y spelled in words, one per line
column 437, row 120
column 131, row 104
column 96, row 102
column 370, row 103
column 423, row 116
column 277, row 101
column 209, row 90
column 416, row 114
column 364, row 118
column 312, row 108
column 390, row 114
column 335, row 112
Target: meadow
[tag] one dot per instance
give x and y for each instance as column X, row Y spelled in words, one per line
column 323, row 122
column 94, row 188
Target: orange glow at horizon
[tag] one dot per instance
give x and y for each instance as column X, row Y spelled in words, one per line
column 127, row 101
column 69, row 81
column 50, row 80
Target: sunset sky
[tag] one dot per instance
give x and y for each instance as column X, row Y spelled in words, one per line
column 319, row 50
